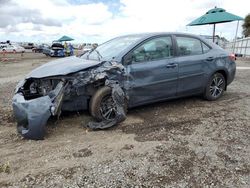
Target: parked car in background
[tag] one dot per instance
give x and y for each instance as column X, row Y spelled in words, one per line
column 56, row 50
column 29, row 45
column 46, row 50
column 122, row 73
column 39, row 48
column 11, row 48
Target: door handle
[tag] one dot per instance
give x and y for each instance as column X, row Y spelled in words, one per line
column 171, row 65
column 210, row 59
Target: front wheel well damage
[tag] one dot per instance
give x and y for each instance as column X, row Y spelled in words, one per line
column 57, row 90
column 119, row 99
column 93, row 87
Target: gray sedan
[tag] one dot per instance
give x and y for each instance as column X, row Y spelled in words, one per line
column 122, row 73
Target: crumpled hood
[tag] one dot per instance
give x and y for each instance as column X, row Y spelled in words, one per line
column 62, row 66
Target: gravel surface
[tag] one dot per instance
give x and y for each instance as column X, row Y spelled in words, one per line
column 187, row 142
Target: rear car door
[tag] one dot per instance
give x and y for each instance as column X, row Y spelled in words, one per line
column 153, row 72
column 191, row 62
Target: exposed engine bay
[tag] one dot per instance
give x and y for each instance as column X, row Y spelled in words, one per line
column 35, row 88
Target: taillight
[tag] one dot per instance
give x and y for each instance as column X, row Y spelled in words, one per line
column 232, row 57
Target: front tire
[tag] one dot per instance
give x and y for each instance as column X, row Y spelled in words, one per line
column 215, row 87
column 102, row 106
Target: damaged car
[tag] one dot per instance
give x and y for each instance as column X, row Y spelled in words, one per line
column 122, row 73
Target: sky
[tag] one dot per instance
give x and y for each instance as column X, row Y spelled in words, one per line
column 100, row 20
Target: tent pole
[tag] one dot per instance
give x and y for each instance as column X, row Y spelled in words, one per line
column 235, row 38
column 214, row 33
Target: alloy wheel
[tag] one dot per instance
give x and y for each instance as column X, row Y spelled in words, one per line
column 217, row 86
column 108, row 108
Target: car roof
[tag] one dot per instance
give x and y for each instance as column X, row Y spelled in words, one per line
column 144, row 36
column 152, row 34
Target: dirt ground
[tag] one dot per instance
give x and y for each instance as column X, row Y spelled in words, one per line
column 187, row 142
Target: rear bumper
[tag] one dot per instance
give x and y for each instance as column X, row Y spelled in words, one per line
column 231, row 72
column 31, row 115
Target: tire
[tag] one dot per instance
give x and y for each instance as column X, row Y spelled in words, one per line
column 215, row 87
column 101, row 103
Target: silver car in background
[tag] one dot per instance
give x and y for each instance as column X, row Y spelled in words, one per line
column 11, row 48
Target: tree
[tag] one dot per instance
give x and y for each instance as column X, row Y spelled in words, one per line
column 246, row 26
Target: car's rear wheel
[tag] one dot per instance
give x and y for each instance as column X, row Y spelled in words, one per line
column 215, row 87
column 102, row 106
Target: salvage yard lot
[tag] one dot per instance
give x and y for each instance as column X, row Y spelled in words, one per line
column 185, row 142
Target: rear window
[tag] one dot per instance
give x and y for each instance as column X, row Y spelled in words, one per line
column 189, row 46
column 205, row 48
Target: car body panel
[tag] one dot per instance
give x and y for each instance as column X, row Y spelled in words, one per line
column 33, row 113
column 63, row 66
column 191, row 74
column 152, row 80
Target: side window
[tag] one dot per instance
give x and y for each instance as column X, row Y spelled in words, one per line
column 154, row 49
column 205, row 48
column 188, row 46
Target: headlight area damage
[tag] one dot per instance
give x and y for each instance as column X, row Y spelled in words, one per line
column 36, row 99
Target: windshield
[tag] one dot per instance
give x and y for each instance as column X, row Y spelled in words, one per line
column 109, row 50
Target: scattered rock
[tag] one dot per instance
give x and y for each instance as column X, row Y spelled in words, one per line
column 83, row 153
column 5, row 168
column 128, row 147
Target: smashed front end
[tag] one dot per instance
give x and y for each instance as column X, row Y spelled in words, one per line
column 36, row 99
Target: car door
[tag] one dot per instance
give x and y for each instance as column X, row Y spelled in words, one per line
column 152, row 73
column 191, row 65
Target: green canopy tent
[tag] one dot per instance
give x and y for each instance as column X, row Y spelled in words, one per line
column 65, row 38
column 214, row 16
